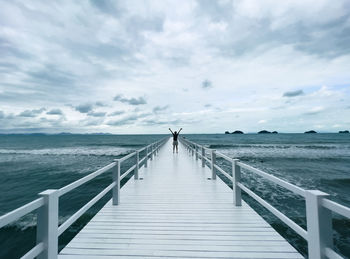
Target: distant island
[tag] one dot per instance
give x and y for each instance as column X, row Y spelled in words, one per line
column 264, row 132
column 310, row 131
column 344, row 131
column 234, row 132
column 274, row 132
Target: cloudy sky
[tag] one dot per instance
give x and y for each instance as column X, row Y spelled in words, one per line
column 144, row 66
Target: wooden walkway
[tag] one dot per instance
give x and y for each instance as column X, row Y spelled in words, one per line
column 176, row 212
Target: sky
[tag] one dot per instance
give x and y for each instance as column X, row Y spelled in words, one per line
column 134, row 67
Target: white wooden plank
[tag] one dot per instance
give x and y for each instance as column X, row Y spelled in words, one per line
column 171, row 253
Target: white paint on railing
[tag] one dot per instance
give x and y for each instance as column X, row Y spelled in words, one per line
column 336, row 207
column 319, row 224
column 82, row 210
column 331, row 254
column 213, row 159
column 47, row 225
column 20, row 212
column 34, row 252
column 85, row 179
column 136, row 172
column 236, row 177
column 302, row 232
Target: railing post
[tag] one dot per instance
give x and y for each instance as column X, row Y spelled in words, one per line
column 236, row 177
column 319, row 224
column 47, row 224
column 146, row 159
column 136, row 172
column 151, row 152
column 116, row 179
column 203, row 156
column 192, row 151
column 213, row 159
column 196, row 150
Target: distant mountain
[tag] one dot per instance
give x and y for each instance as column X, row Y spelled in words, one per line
column 310, row 131
column 344, row 131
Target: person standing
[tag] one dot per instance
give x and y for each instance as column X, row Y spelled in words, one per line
column 175, row 142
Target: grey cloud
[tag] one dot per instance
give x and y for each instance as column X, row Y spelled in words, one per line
column 55, row 112
column 116, row 113
column 323, row 39
column 207, row 105
column 31, row 113
column 293, row 93
column 100, row 104
column 131, row 101
column 127, row 120
column 158, row 109
column 84, row 108
column 2, row 115
column 51, row 75
column 96, row 114
column 160, row 122
column 107, row 6
column 206, row 84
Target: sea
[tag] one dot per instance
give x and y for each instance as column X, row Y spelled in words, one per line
column 30, row 164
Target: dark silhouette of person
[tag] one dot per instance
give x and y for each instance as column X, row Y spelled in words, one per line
column 175, row 143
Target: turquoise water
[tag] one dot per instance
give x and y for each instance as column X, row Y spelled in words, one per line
column 30, row 164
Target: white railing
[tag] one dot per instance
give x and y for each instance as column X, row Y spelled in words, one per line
column 46, row 206
column 319, row 209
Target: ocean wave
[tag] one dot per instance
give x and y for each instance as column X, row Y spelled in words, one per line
column 79, row 151
column 288, row 151
column 280, row 146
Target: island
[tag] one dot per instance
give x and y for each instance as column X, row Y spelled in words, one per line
column 234, row 132
column 264, row 132
column 274, row 132
column 310, row 131
column 344, row 131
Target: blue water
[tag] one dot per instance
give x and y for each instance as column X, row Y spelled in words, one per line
column 30, row 164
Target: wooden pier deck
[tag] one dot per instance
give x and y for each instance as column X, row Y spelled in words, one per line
column 176, row 212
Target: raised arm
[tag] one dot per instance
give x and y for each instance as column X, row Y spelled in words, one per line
column 179, row 131
column 171, row 131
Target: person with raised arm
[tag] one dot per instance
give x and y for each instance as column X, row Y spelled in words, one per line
column 175, row 143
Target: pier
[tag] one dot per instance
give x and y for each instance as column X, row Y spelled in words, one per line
column 175, row 206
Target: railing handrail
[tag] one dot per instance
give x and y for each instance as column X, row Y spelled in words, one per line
column 45, row 248
column 319, row 208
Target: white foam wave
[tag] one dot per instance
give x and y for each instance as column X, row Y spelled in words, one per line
column 85, row 151
column 290, row 151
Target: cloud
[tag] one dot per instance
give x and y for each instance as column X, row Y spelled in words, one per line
column 96, row 114
column 207, row 105
column 2, row 115
column 206, row 84
column 293, row 93
column 100, row 104
column 315, row 110
column 31, row 113
column 131, row 101
column 158, row 109
column 127, row 120
column 55, row 112
column 116, row 113
column 262, row 121
column 84, row 108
